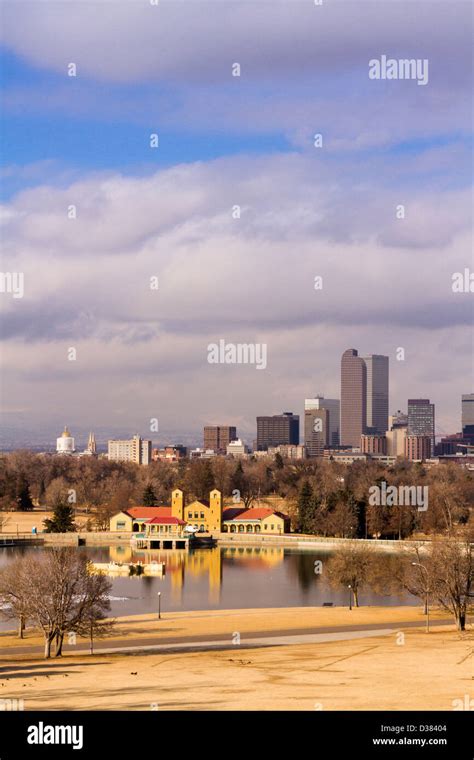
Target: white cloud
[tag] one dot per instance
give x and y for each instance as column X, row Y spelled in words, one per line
column 248, row 279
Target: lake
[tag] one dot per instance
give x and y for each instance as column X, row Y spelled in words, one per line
column 221, row 578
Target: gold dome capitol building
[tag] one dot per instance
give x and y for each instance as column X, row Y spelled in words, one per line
column 65, row 443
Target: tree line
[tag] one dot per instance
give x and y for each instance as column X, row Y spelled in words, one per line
column 441, row 574
column 324, row 498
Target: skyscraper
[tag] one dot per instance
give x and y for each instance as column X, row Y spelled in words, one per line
column 353, row 398
column 321, row 424
column 467, row 416
column 421, row 419
column 218, row 437
column 377, row 393
column 276, row 430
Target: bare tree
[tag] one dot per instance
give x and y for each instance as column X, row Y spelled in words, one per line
column 452, row 570
column 350, row 566
column 445, row 573
column 15, row 593
column 65, row 597
column 413, row 570
column 4, row 520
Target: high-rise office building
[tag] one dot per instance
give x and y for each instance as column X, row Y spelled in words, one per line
column 467, row 416
column 421, row 419
column 278, row 429
column 218, row 437
column 353, row 398
column 321, row 424
column 377, row 393
column 135, row 449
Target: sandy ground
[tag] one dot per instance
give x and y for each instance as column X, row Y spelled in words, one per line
column 23, row 522
column 227, row 622
column 416, row 671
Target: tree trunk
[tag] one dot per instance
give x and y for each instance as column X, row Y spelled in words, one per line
column 21, row 626
column 47, row 646
column 59, row 644
column 356, row 597
column 461, row 621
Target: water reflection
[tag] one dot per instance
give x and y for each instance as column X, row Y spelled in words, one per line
column 201, row 564
column 221, row 578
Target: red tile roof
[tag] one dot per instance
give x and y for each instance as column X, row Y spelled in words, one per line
column 231, row 512
column 258, row 513
column 166, row 521
column 148, row 512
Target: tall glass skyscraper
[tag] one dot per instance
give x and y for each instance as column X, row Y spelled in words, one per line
column 377, row 393
column 353, row 398
column 421, row 418
column 467, row 416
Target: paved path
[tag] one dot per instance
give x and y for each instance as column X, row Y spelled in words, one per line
column 160, row 642
column 249, row 643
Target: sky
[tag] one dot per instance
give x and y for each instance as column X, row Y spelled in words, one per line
column 91, row 212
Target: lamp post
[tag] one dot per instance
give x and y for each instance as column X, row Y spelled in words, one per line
column 427, row 591
column 159, row 605
column 350, row 596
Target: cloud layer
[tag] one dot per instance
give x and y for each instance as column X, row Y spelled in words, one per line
column 331, row 211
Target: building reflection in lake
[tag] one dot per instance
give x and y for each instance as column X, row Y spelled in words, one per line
column 200, row 563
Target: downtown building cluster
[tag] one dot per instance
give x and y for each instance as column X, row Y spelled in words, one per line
column 357, row 426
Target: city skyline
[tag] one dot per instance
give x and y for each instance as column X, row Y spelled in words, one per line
column 255, row 231
column 317, row 408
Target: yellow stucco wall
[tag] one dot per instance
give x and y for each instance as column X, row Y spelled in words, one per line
column 121, row 522
column 273, row 524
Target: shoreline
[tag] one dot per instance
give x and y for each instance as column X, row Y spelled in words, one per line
column 286, row 541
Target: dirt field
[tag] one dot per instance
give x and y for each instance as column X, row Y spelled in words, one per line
column 23, row 522
column 420, row 672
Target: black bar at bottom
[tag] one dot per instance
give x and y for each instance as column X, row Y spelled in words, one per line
column 235, row 734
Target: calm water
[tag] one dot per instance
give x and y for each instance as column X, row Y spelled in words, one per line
column 221, row 578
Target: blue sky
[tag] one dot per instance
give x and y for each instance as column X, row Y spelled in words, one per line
column 227, row 141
